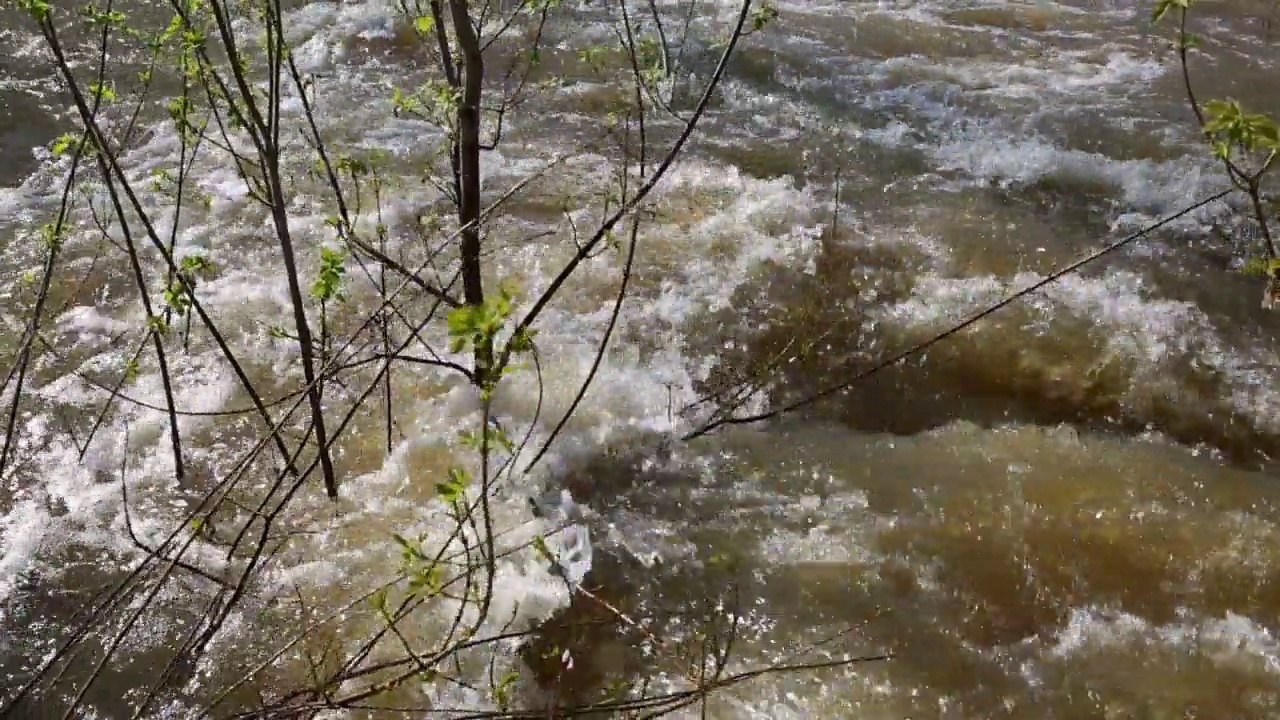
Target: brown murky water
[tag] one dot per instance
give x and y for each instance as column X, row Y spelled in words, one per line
column 1067, row 511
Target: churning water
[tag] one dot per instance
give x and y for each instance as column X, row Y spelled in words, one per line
column 1066, row 511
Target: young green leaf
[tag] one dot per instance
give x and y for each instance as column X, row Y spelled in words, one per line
column 763, row 15
column 63, row 144
column 328, row 282
column 1164, row 6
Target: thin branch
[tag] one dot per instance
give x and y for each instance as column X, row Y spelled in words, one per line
column 630, row 205
column 954, row 329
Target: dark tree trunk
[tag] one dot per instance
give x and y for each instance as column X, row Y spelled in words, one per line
column 468, row 149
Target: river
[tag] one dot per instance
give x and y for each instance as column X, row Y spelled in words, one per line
column 1068, row 510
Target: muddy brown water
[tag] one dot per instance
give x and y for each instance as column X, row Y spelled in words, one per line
column 1067, row 511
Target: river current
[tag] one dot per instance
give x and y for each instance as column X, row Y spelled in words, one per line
column 1068, row 510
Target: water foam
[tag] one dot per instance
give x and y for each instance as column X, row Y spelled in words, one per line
column 352, row 544
column 745, row 226
column 1161, row 335
column 1232, row 638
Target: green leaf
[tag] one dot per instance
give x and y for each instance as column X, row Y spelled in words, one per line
column 1258, row 266
column 104, row 92
column 176, row 297
column 425, row 25
column 1229, row 126
column 197, row 264
column 1164, row 6
column 404, row 544
column 502, row 691
column 427, row 578
column 328, row 282
column 469, row 438
column 473, row 440
column 763, row 15
column 63, row 144
column 1263, row 130
column 51, row 235
column 38, row 9
column 462, row 324
column 522, row 341
column 95, row 17
column 408, row 550
column 131, row 370
column 352, row 166
column 452, row 489
column 1161, row 9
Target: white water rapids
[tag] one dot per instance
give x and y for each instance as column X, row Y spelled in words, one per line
column 1067, row 511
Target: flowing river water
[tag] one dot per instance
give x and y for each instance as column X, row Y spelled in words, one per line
column 1066, row 511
